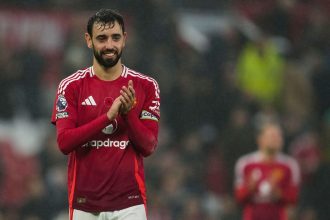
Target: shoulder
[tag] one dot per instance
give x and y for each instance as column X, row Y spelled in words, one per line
column 74, row 79
column 292, row 166
column 130, row 73
column 288, row 161
column 145, row 80
column 247, row 159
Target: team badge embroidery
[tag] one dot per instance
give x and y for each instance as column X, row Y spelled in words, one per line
column 61, row 103
column 110, row 129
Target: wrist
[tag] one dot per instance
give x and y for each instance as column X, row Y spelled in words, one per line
column 125, row 111
column 277, row 193
column 129, row 115
column 110, row 117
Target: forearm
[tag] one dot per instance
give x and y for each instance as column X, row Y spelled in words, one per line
column 289, row 195
column 70, row 137
column 243, row 193
column 143, row 138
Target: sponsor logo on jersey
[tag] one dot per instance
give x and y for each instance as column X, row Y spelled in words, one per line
column 133, row 197
column 110, row 129
column 61, row 103
column 62, row 115
column 155, row 107
column 107, row 143
column 89, row 101
column 147, row 115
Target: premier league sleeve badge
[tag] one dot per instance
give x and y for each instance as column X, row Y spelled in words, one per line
column 61, row 103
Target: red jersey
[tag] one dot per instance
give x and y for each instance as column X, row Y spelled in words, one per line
column 105, row 168
column 259, row 203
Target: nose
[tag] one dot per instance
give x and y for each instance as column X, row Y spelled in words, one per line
column 109, row 44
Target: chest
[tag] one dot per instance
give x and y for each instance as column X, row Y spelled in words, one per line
column 274, row 173
column 96, row 98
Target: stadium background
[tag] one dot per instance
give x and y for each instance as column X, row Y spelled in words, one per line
column 222, row 67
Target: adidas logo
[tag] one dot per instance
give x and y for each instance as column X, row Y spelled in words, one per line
column 89, row 101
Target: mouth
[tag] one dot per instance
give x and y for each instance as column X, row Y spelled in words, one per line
column 109, row 54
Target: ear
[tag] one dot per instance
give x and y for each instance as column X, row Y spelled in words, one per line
column 88, row 39
column 124, row 36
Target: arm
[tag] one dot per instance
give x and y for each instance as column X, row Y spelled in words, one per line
column 289, row 194
column 142, row 133
column 244, row 191
column 142, row 129
column 70, row 137
column 244, row 187
column 242, row 194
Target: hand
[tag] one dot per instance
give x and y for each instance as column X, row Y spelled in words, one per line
column 252, row 180
column 114, row 109
column 276, row 192
column 252, row 184
column 127, row 98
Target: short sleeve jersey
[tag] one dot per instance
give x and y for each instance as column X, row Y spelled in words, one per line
column 106, row 173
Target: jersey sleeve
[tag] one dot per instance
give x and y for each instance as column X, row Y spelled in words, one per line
column 64, row 116
column 151, row 106
column 242, row 191
column 291, row 191
column 143, row 126
column 65, row 105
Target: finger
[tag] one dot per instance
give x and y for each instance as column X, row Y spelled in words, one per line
column 125, row 105
column 117, row 100
column 132, row 91
column 128, row 92
column 131, row 87
column 126, row 96
column 126, row 100
column 123, row 101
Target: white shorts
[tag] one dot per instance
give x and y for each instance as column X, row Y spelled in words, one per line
column 137, row 212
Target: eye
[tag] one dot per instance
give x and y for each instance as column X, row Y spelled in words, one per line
column 116, row 37
column 101, row 38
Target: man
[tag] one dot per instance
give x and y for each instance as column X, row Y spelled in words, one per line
column 266, row 181
column 106, row 118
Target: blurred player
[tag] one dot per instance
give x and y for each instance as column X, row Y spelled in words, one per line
column 106, row 119
column 266, row 181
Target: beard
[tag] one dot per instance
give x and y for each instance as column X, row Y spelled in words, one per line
column 107, row 62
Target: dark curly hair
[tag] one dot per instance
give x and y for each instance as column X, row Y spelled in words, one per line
column 105, row 17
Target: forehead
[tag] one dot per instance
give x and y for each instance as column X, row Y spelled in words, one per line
column 271, row 129
column 107, row 28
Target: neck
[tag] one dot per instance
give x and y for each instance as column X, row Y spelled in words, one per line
column 107, row 74
column 268, row 157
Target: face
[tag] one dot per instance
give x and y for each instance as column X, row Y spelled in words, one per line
column 107, row 43
column 270, row 140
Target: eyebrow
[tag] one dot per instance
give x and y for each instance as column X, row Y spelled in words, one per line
column 101, row 36
column 112, row 35
column 116, row 35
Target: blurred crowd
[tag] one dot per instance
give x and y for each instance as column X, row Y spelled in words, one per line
column 271, row 60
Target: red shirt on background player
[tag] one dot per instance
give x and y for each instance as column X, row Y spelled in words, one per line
column 266, row 181
column 106, row 118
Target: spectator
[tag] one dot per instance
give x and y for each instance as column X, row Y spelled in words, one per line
column 260, row 71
